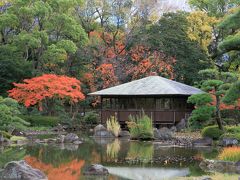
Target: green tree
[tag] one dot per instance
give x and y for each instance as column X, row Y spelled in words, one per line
column 232, row 41
column 203, row 111
column 216, row 83
column 170, row 36
column 43, row 36
column 233, row 94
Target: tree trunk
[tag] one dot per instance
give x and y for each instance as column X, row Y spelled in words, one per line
column 218, row 114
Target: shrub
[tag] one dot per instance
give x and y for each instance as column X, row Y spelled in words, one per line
column 113, row 126
column 9, row 119
column 140, row 127
column 5, row 134
column 212, row 131
column 41, row 120
column 91, row 117
column 230, row 154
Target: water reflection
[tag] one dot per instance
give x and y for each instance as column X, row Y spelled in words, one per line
column 113, row 149
column 148, row 173
column 131, row 160
column 140, row 151
column 68, row 171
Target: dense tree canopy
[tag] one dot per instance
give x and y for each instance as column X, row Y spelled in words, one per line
column 105, row 43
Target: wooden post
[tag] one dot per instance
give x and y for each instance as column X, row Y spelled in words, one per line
column 174, row 115
column 101, row 108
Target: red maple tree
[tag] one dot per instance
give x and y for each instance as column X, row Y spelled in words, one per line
column 34, row 91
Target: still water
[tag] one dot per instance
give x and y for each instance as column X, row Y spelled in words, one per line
column 124, row 159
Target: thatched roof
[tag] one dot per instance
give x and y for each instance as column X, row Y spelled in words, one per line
column 151, row 85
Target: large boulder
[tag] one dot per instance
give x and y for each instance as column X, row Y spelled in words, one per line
column 124, row 134
column 21, row 170
column 96, row 169
column 203, row 142
column 163, row 134
column 99, row 127
column 101, row 132
column 70, row 138
column 173, row 129
column 181, row 125
column 104, row 134
column 228, row 142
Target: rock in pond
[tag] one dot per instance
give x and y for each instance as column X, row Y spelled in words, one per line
column 101, row 132
column 219, row 166
column 70, row 138
column 21, row 170
column 96, row 169
column 228, row 142
column 181, row 125
column 99, row 127
column 124, row 134
column 203, row 142
column 205, row 178
column 173, row 129
column 163, row 134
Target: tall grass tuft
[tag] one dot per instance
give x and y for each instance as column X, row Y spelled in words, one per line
column 140, row 127
column 230, row 154
column 113, row 126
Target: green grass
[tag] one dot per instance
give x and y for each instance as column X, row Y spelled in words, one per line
column 44, row 121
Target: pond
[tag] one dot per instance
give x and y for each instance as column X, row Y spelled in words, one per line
column 123, row 158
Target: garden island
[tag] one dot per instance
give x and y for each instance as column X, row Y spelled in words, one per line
column 120, row 89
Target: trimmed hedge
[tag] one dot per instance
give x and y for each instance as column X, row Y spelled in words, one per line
column 41, row 120
column 212, row 131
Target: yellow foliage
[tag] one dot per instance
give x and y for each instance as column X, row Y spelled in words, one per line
column 201, row 27
column 113, row 126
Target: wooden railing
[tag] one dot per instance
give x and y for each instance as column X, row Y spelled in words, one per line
column 158, row 116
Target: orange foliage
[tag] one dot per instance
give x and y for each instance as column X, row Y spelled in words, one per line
column 112, row 61
column 34, row 91
column 230, row 154
column 150, row 61
column 225, row 106
column 68, row 171
column 107, row 75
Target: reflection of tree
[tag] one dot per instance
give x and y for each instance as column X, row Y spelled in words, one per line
column 113, row 149
column 11, row 154
column 66, row 171
column 56, row 156
column 140, row 151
